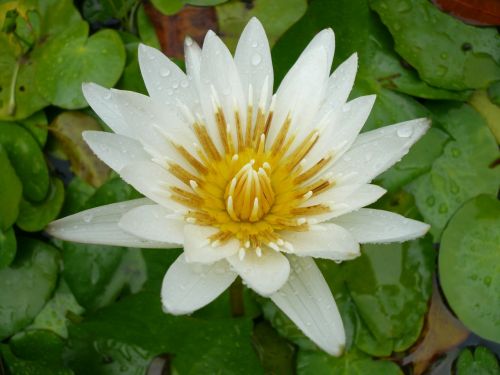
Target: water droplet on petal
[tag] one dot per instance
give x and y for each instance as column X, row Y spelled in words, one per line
column 256, row 59
column 164, row 72
column 405, row 132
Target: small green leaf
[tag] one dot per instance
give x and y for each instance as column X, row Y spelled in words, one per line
column 352, row 363
column 391, row 285
column 469, row 263
column 483, row 362
column 27, row 159
column 11, row 192
column 168, row 7
column 19, row 366
column 26, row 285
column 67, row 129
column 99, row 59
column 462, row 171
column 103, row 11
column 37, row 125
column 446, row 52
column 234, row 15
column 146, row 30
column 38, row 345
column 8, row 247
column 33, row 217
column 494, row 93
column 131, row 78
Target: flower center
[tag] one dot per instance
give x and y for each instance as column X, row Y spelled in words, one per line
column 249, row 195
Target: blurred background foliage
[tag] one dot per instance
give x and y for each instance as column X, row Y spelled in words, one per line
column 427, row 306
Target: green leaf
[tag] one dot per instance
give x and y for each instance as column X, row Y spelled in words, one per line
column 483, row 362
column 19, row 366
column 352, row 363
column 489, row 111
column 234, row 15
column 35, row 216
column 391, row 285
column 195, row 346
column 67, row 129
column 131, row 78
column 99, row 59
column 462, row 171
column 8, row 247
column 27, row 159
column 38, row 345
column 26, row 285
column 57, row 312
column 145, row 29
column 11, row 192
column 469, row 263
column 37, row 125
column 76, row 195
column 102, row 11
column 168, row 7
column 461, row 56
column 494, row 93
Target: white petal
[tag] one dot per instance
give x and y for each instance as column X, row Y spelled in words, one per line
column 253, row 60
column 220, row 86
column 153, row 222
column 327, row 241
column 198, row 248
column 187, row 287
column 375, row 151
column 308, row 302
column 300, row 94
column 152, row 181
column 265, row 274
column 166, row 82
column 340, row 84
column 324, row 39
column 344, row 199
column 377, row 226
column 340, row 129
column 153, row 124
column 102, row 102
column 100, row 226
column 114, row 149
column 192, row 53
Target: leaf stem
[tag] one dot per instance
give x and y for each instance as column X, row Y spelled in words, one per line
column 236, row 298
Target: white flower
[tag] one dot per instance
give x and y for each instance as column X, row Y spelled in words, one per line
column 249, row 183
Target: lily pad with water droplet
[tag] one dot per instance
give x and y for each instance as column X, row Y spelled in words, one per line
column 435, row 44
column 469, row 265
column 352, row 363
column 74, row 58
column 462, row 171
column 391, row 286
column 27, row 285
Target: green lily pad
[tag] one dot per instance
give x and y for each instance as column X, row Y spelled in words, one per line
column 27, row 159
column 131, row 78
column 195, row 346
column 103, row 11
column 76, row 194
column 16, row 365
column 391, row 285
column 8, row 247
column 352, row 363
column 494, row 93
column 37, row 125
column 37, row 345
column 33, row 217
column 445, row 51
column 469, row 264
column 145, row 29
column 482, row 362
column 234, row 15
column 57, row 312
column 71, row 59
column 26, row 285
column 11, row 192
column 462, row 171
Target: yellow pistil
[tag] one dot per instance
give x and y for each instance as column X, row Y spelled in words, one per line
column 250, row 189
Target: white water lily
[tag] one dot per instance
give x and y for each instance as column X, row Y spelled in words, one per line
column 249, row 183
